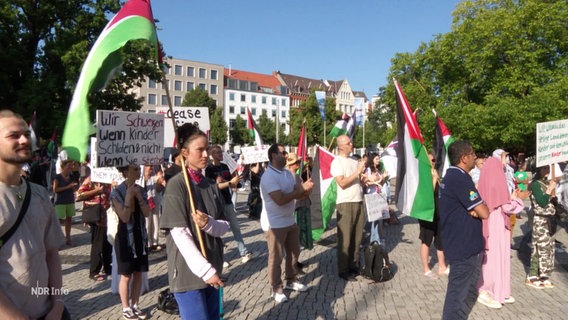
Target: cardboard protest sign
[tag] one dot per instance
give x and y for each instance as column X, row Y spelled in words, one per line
column 255, row 154
column 128, row 138
column 199, row 116
column 551, row 142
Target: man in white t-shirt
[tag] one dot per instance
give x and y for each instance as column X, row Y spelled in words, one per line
column 279, row 192
column 349, row 177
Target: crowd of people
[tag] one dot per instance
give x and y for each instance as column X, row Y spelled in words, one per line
column 189, row 206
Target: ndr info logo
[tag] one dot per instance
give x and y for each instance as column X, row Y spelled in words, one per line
column 48, row 291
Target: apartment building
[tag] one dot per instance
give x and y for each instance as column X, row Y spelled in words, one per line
column 181, row 77
column 258, row 92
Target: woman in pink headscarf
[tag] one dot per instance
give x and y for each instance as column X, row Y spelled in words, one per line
column 494, row 283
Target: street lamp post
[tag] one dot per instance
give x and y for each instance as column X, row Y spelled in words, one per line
column 277, row 121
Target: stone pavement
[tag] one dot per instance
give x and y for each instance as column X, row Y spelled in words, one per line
column 409, row 295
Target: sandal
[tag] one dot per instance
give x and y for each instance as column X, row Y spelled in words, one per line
column 98, row 277
column 546, row 282
column 534, row 282
column 431, row 275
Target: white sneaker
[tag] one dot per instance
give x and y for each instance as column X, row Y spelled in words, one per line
column 226, row 264
column 296, row 286
column 279, row 297
column 485, row 299
column 247, row 257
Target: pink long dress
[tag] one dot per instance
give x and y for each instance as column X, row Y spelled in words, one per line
column 495, row 275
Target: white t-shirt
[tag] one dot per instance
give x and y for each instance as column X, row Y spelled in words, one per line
column 343, row 166
column 273, row 215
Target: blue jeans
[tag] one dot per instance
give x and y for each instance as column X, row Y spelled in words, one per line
column 231, row 216
column 463, row 275
column 202, row 304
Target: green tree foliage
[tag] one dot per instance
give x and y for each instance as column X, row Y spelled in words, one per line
column 501, row 70
column 239, row 133
column 218, row 133
column 309, row 110
column 43, row 45
column 266, row 128
column 198, row 97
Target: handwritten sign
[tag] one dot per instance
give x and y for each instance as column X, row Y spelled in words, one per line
column 377, row 207
column 551, row 142
column 255, row 154
column 198, row 116
column 111, row 174
column 129, row 138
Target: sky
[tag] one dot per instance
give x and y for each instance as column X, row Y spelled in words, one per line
column 334, row 39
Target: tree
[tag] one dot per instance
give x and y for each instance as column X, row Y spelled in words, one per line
column 198, row 97
column 219, row 129
column 309, row 110
column 239, row 133
column 43, row 45
column 266, row 128
column 494, row 76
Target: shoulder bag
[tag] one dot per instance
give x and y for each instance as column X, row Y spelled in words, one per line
column 6, row 236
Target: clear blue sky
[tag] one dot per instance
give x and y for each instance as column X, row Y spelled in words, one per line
column 302, row 37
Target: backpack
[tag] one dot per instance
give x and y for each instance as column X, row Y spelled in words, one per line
column 167, row 302
column 376, row 265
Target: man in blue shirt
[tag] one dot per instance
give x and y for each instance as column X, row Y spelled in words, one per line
column 461, row 211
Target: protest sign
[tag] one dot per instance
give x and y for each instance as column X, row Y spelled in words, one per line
column 255, row 154
column 198, row 116
column 377, row 207
column 551, row 142
column 128, row 138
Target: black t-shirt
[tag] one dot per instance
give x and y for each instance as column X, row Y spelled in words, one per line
column 223, row 171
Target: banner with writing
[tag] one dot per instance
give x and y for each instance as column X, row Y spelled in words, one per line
column 199, row 116
column 255, row 154
column 128, row 138
column 359, row 111
column 551, row 142
column 320, row 97
column 377, row 207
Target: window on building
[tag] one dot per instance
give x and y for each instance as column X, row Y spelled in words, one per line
column 166, row 69
column 151, row 84
column 243, row 98
column 273, row 113
column 164, row 100
column 189, row 86
column 202, row 73
column 177, row 101
column 283, row 114
column 232, row 96
column 151, row 99
column 274, row 101
column 213, row 89
column 243, row 110
column 263, row 100
column 214, row 74
column 232, row 123
column 253, row 111
column 177, row 70
column 253, row 98
column 190, row 71
column 283, row 102
column 231, row 109
column 203, row 86
column 177, row 85
column 166, row 84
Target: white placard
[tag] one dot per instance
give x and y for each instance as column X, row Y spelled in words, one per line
column 377, row 207
column 229, row 161
column 199, row 116
column 255, row 154
column 129, row 138
column 111, row 174
column 551, row 142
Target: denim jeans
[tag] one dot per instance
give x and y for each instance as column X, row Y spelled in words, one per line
column 463, row 276
column 202, row 304
column 231, row 216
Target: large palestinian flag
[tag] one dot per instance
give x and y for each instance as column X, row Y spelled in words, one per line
column 414, row 189
column 323, row 194
column 442, row 141
column 134, row 21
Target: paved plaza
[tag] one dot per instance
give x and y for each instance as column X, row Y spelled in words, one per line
column 409, row 295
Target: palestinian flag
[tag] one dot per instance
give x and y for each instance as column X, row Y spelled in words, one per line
column 344, row 126
column 251, row 125
column 414, row 189
column 323, row 194
column 442, row 141
column 52, row 145
column 32, row 126
column 134, row 21
column 302, row 143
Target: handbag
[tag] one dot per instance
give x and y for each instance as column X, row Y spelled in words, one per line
column 92, row 214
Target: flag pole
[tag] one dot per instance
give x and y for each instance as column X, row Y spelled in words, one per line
column 183, row 168
column 329, row 148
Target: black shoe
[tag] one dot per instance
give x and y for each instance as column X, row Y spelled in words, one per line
column 347, row 277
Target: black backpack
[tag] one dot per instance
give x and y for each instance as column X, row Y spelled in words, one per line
column 167, row 302
column 376, row 265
